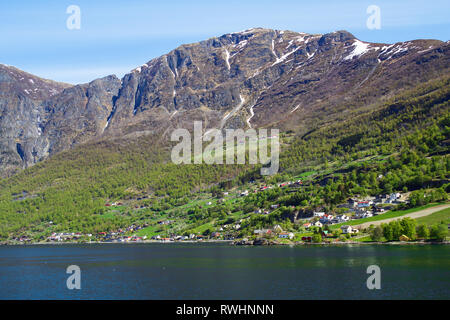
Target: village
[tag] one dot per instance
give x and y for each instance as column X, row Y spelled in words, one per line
column 319, row 221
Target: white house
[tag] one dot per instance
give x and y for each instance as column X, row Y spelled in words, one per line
column 318, row 224
column 342, row 218
column 286, row 235
column 348, row 230
column 262, row 231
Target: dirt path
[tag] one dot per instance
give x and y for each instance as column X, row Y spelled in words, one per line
column 413, row 215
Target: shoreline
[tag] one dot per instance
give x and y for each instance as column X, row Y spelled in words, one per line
column 232, row 243
column 115, row 242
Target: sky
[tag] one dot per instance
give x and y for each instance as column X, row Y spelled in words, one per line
column 117, row 36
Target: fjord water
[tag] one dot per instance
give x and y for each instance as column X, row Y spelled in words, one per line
column 220, row 271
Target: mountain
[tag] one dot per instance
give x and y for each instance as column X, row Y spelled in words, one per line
column 254, row 78
column 355, row 119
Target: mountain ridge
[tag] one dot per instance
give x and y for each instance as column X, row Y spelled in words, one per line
column 253, row 78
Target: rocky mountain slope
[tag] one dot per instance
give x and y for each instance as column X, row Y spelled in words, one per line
column 254, row 78
column 22, row 117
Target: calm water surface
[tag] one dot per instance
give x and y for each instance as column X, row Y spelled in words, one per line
column 215, row 271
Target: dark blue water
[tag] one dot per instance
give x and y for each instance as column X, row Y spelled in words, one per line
column 213, row 271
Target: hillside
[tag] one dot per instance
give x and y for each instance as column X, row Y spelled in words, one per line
column 403, row 140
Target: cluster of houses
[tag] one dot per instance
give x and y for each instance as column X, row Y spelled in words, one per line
column 327, row 234
column 276, row 231
column 192, row 237
column 117, row 235
column 291, row 184
column 114, row 204
column 325, row 218
column 132, row 238
column 393, row 198
column 371, row 206
column 22, row 239
column 265, row 211
column 235, row 226
column 359, row 209
column 65, row 236
column 165, row 222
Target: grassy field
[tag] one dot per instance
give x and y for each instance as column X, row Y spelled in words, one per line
column 387, row 215
column 435, row 218
column 202, row 228
column 365, row 238
column 149, row 231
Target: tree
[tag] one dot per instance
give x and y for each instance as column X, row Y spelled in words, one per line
column 337, row 232
column 422, row 231
column 317, row 237
column 408, row 227
column 387, row 232
column 439, row 232
column 376, row 233
column 207, row 232
column 388, row 188
column 396, row 229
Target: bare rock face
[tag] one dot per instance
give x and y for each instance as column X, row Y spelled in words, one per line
column 22, row 117
column 254, row 78
column 79, row 113
column 262, row 77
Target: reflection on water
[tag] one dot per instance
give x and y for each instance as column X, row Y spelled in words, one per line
column 213, row 271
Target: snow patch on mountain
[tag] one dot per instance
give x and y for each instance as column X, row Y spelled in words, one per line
column 360, row 48
column 293, row 110
column 227, row 59
column 241, row 44
column 281, row 59
column 139, row 69
column 252, row 113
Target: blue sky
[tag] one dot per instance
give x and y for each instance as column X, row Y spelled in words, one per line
column 117, row 36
